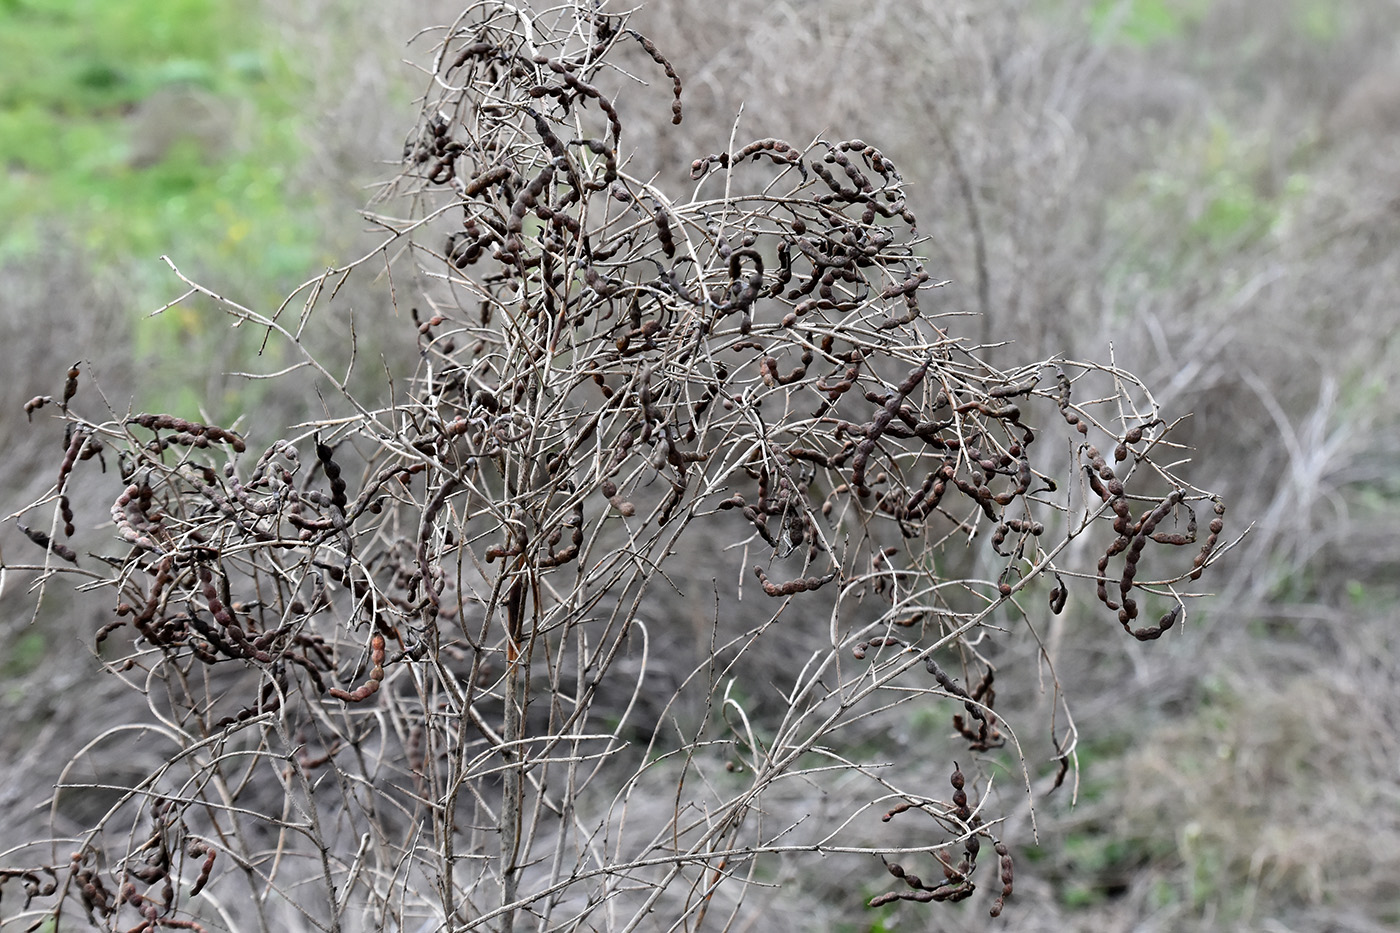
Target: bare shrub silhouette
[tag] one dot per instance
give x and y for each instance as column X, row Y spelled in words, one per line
column 397, row 659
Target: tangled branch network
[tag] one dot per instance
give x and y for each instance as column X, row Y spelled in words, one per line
column 399, row 660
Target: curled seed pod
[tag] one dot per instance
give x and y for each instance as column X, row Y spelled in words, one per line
column 122, row 610
column 897, row 809
column 1058, row 595
column 1156, row 631
column 884, row 641
column 1095, row 484
column 196, row 849
column 891, row 896
column 376, row 675
column 797, row 372
column 663, row 232
column 1144, row 530
column 760, row 523
column 1004, row 860
column 34, row 404
column 984, row 736
column 960, row 807
column 42, row 539
column 835, row 390
column 70, row 386
column 1071, row 417
column 792, row 587
column 876, row 427
column 656, row 56
column 498, row 551
column 568, row 553
column 906, row 287
column 325, row 455
column 70, row 457
column 1216, row 526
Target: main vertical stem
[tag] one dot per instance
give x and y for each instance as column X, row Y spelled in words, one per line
column 512, row 799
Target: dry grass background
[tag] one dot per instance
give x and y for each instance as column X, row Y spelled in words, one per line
column 1220, row 206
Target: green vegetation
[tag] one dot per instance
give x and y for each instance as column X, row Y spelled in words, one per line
column 124, row 123
column 25, row 655
column 1144, row 22
column 146, row 127
column 1321, row 20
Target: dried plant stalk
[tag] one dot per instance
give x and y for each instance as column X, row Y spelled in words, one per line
column 607, row 367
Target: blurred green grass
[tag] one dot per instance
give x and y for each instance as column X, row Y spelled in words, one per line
column 135, row 129
column 1144, row 22
column 123, row 123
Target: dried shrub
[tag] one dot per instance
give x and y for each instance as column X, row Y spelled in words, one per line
column 392, row 638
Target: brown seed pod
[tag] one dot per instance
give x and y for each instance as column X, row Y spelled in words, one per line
column 1004, row 861
column 1217, row 525
column 325, row 455
column 907, row 287
column 885, row 641
column 663, row 232
column 1144, row 529
column 376, row 675
column 558, row 558
column 76, row 441
column 977, row 705
column 876, row 427
column 1058, row 595
column 197, row 848
column 1020, row 526
column 897, row 809
column 1179, row 539
column 70, row 386
column 960, row 807
column 182, row 426
column 1156, row 631
column 793, row 587
column 657, row 57
column 498, row 551
column 42, row 539
column 1071, row 417
column 760, row 523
